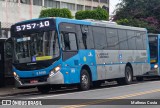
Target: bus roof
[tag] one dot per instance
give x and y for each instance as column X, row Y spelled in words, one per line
column 89, row 22
column 99, row 23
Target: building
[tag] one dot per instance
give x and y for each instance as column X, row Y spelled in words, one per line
column 12, row 11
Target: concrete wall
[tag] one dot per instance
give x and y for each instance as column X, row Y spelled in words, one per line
column 11, row 12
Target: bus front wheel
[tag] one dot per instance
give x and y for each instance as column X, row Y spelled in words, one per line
column 44, row 89
column 84, row 80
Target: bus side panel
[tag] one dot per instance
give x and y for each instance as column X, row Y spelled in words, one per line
column 126, row 56
column 71, row 69
column 74, row 65
column 141, row 61
column 138, row 61
column 108, row 64
column 87, row 57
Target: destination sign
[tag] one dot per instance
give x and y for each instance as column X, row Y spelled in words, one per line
column 40, row 24
column 33, row 25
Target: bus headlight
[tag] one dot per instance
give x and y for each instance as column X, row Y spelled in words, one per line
column 54, row 71
column 155, row 66
column 15, row 75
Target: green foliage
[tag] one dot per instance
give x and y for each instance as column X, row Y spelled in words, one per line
column 137, row 23
column 98, row 14
column 123, row 22
column 54, row 12
column 139, row 13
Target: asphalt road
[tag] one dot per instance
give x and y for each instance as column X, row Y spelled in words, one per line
column 137, row 95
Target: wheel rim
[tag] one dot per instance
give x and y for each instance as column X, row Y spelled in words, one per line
column 128, row 75
column 84, row 80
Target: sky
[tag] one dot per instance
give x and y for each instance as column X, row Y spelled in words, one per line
column 112, row 6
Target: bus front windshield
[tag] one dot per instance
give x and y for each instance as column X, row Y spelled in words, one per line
column 35, row 47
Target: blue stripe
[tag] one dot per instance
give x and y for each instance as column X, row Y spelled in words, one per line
column 123, row 63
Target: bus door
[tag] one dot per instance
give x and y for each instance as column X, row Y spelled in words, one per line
column 2, row 63
column 70, row 50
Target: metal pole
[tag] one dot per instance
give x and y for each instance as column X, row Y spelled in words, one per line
column 31, row 9
column 6, row 10
column 19, row 8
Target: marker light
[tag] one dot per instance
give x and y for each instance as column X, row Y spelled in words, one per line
column 155, row 66
column 57, row 68
column 15, row 75
column 54, row 71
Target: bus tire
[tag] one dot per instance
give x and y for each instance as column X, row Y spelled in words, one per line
column 139, row 78
column 128, row 77
column 44, row 89
column 84, row 80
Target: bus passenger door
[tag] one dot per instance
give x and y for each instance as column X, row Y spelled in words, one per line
column 70, row 52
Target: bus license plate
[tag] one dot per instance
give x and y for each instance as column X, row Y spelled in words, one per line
column 33, row 81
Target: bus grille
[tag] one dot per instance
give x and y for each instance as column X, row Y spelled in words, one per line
column 39, row 79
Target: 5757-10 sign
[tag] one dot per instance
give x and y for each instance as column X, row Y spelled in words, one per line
column 32, row 26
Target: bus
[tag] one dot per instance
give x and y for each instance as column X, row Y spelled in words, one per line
column 154, row 45
column 6, row 76
column 50, row 52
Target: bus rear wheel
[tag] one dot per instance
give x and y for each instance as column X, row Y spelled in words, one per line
column 44, row 89
column 128, row 77
column 84, row 80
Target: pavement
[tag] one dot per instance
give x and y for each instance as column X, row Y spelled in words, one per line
column 11, row 90
column 97, row 97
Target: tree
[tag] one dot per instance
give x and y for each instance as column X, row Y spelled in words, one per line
column 98, row 14
column 54, row 12
column 139, row 13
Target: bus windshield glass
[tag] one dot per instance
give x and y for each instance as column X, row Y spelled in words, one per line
column 36, row 47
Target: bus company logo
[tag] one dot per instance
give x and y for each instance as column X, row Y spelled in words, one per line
column 103, row 55
column 41, row 73
column 90, row 54
column 6, row 102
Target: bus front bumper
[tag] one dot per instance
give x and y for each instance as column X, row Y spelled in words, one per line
column 37, row 81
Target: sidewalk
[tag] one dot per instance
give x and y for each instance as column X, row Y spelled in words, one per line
column 11, row 90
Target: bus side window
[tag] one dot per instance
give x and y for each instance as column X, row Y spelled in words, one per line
column 69, row 41
column 84, row 30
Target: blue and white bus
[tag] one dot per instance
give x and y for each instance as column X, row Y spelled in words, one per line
column 49, row 52
column 154, row 45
